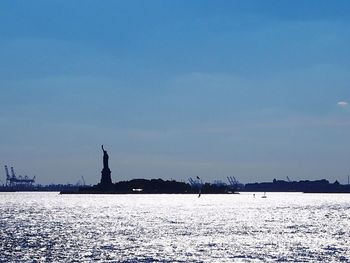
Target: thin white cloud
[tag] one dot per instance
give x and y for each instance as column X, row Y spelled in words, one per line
column 342, row 104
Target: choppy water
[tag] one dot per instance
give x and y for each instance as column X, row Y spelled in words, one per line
column 47, row 227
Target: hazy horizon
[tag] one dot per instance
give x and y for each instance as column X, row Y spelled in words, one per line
column 175, row 89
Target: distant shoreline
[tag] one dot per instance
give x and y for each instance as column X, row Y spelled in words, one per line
column 159, row 186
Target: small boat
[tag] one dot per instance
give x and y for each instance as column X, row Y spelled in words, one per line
column 264, row 196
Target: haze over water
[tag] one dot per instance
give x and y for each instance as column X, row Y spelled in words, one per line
column 48, row 227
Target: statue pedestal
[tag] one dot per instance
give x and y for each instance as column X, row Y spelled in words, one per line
column 106, row 180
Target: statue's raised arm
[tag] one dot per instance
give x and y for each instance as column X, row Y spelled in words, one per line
column 102, row 148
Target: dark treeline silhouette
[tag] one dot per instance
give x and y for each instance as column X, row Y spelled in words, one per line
column 306, row 186
column 157, row 186
column 153, row 186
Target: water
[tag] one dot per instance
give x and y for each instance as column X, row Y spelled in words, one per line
column 48, row 227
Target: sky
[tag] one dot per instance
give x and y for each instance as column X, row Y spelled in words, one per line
column 175, row 89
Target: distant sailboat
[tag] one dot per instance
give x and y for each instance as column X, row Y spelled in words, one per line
column 264, row 196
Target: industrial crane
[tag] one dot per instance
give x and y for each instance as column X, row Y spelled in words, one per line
column 82, row 177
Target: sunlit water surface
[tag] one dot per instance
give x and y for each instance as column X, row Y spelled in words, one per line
column 48, row 227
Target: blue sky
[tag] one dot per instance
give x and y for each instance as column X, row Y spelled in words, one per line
column 175, row 89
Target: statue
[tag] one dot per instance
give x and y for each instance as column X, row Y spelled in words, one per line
column 105, row 159
column 106, row 181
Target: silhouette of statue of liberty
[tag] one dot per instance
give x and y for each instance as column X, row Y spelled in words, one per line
column 105, row 158
column 106, row 180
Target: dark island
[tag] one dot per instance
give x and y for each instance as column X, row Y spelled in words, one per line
column 153, row 186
